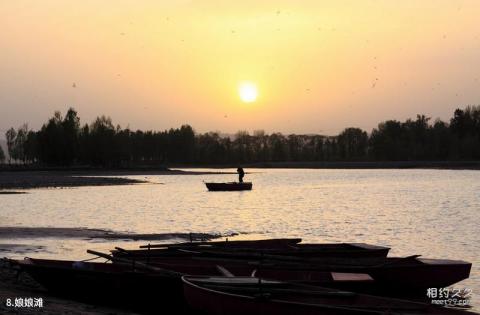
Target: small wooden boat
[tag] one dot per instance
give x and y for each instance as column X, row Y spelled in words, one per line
column 131, row 286
column 202, row 266
column 402, row 277
column 397, row 276
column 232, row 186
column 247, row 295
column 415, row 274
column 340, row 253
column 189, row 248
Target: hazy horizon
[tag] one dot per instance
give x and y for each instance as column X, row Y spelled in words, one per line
column 319, row 66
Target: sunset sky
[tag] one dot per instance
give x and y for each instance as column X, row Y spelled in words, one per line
column 317, row 66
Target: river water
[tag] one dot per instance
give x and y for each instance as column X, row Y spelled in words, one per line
column 435, row 213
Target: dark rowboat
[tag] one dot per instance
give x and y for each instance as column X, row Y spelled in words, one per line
column 107, row 284
column 247, row 295
column 232, row 186
column 339, row 254
column 405, row 277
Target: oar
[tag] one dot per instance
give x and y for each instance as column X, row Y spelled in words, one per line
column 243, row 255
column 188, row 251
column 234, row 244
column 267, row 288
column 135, row 263
column 122, row 250
column 224, row 271
column 188, row 244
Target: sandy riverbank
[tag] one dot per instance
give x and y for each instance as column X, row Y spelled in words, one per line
column 20, row 241
column 15, row 232
column 28, row 179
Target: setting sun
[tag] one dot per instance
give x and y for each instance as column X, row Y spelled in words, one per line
column 248, row 92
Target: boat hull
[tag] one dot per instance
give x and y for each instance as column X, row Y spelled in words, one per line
column 409, row 278
column 217, row 296
column 338, row 254
column 107, row 284
column 233, row 186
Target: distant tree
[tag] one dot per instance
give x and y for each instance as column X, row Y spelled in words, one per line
column 2, row 155
column 278, row 147
column 260, row 146
column 242, row 147
column 440, row 141
column 70, row 129
column 102, row 147
column 57, row 141
column 212, row 148
column 352, row 144
column 30, row 147
column 186, row 143
column 386, row 142
column 124, row 143
column 318, row 150
column 51, row 141
column 331, row 145
column 415, row 138
column 19, row 143
column 11, row 134
column 294, row 143
column 465, row 126
column 61, row 141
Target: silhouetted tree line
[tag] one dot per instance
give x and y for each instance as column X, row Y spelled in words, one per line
column 62, row 141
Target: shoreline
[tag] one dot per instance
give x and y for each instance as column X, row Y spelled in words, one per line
column 11, row 181
column 35, row 178
column 175, row 168
column 440, row 165
column 20, row 232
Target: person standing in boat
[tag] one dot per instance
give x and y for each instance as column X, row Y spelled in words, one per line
column 241, row 173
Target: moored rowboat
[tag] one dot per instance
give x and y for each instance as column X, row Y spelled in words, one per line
column 341, row 253
column 232, row 296
column 107, row 284
column 406, row 277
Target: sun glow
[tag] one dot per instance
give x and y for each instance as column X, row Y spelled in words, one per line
column 248, row 92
